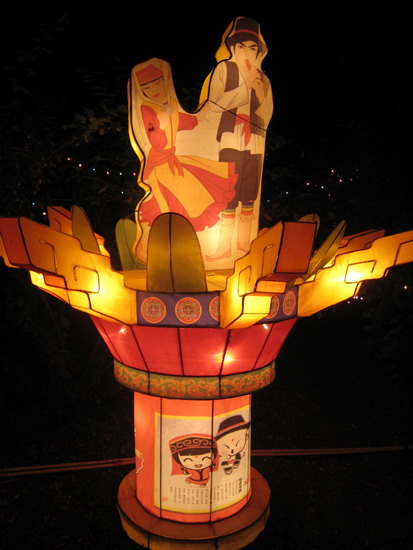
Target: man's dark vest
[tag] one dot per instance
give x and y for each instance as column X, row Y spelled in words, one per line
column 227, row 122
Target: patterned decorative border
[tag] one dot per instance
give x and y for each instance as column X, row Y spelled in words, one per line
column 174, row 309
column 193, row 387
column 202, row 309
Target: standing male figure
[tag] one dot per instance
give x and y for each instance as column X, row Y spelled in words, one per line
column 242, row 94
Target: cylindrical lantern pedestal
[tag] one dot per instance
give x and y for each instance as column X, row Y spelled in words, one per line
column 193, row 483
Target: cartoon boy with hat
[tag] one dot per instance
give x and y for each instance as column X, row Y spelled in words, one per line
column 231, row 438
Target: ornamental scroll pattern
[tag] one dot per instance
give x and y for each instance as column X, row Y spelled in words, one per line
column 187, row 387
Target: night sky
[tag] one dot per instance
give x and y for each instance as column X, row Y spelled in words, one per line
column 320, row 59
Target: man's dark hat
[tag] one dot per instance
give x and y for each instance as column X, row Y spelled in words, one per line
column 231, row 424
column 246, row 29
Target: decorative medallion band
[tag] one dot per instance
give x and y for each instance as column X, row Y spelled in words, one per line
column 194, row 387
column 202, row 309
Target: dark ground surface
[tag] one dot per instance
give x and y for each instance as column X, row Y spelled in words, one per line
column 330, row 392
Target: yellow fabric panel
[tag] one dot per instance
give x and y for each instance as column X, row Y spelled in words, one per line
column 38, row 279
column 126, row 232
column 405, row 253
column 359, row 240
column 358, row 271
column 217, row 280
column 87, row 278
column 60, row 219
column 257, row 303
column 79, row 300
column 174, row 256
column 83, row 231
column 135, row 279
column 268, row 285
column 327, row 250
column 64, row 256
column 259, row 262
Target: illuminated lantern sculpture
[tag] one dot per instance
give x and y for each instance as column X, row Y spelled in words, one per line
column 204, row 301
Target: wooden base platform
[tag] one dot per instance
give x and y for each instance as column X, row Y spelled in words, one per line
column 231, row 533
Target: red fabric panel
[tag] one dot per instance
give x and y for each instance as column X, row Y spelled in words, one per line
column 202, row 350
column 98, row 324
column 146, row 408
column 13, row 241
column 160, row 348
column 279, row 332
column 244, row 348
column 121, row 342
column 296, row 247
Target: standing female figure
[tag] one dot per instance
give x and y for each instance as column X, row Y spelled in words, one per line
column 195, row 187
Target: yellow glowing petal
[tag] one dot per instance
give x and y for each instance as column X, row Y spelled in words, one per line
column 91, row 283
column 340, row 280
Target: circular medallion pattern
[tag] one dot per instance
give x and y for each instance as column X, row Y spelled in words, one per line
column 153, row 309
column 275, row 306
column 214, row 308
column 188, row 310
column 289, row 303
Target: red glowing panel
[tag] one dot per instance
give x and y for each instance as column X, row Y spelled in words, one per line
column 278, row 334
column 244, row 348
column 202, row 350
column 160, row 349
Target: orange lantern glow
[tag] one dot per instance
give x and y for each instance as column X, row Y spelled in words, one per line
column 203, row 304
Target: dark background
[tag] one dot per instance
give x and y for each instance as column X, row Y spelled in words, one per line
column 339, row 144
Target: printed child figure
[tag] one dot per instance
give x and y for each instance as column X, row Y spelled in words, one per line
column 196, row 455
column 232, row 438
